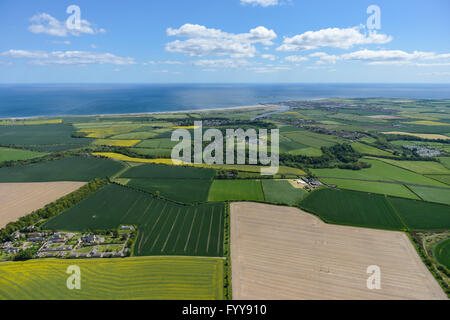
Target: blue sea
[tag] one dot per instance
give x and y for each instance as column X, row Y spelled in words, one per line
column 87, row 99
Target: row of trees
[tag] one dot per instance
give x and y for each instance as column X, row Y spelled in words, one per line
column 339, row 155
column 50, row 157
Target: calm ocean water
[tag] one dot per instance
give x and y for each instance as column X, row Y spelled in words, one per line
column 86, row 99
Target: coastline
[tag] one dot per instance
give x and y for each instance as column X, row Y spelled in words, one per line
column 139, row 114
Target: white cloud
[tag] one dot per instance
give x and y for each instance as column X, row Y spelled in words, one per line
column 204, row 41
column 296, row 59
column 324, row 57
column 45, row 23
column 168, row 62
column 221, row 63
column 262, row 3
column 334, row 38
column 25, row 54
column 68, row 57
column 270, row 57
column 437, row 73
column 438, row 64
column 167, row 72
column 395, row 57
column 67, row 42
column 269, row 69
column 385, row 57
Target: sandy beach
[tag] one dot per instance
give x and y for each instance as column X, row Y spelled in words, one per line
column 258, row 106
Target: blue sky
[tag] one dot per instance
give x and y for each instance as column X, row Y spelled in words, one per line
column 201, row 41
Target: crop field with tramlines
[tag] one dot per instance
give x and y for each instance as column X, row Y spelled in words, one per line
column 180, row 190
column 376, row 211
column 67, row 169
column 130, row 278
column 164, row 227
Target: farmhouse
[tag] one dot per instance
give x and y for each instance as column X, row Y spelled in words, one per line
column 35, row 234
column 36, row 239
column 126, row 228
column 90, row 238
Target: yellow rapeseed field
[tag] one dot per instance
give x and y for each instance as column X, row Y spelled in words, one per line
column 420, row 135
column 249, row 168
column 429, row 123
column 29, row 122
column 118, row 156
column 186, row 127
column 152, row 278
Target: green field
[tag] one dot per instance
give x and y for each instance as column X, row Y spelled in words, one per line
column 442, row 253
column 392, row 189
column 442, row 178
column 159, row 171
column 432, row 194
column 157, row 144
column 67, row 169
column 309, row 152
column 418, row 215
column 422, row 167
column 352, row 208
column 222, row 190
column 152, row 278
column 182, row 190
column 165, row 228
column 445, row 162
column 310, row 139
column 380, row 171
column 282, row 170
column 8, row 154
column 42, row 135
column 160, row 153
column 366, row 149
column 287, row 145
column 281, row 192
column 139, row 135
column 376, row 211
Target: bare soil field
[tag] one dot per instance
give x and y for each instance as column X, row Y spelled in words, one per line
column 285, row 253
column 296, row 185
column 19, row 199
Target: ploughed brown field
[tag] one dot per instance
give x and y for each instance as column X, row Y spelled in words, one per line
column 19, row 199
column 285, row 253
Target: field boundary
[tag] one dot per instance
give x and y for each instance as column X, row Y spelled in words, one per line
column 227, row 272
column 423, row 255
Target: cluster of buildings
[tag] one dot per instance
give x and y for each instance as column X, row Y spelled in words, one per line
column 69, row 245
column 309, row 183
column 424, row 151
